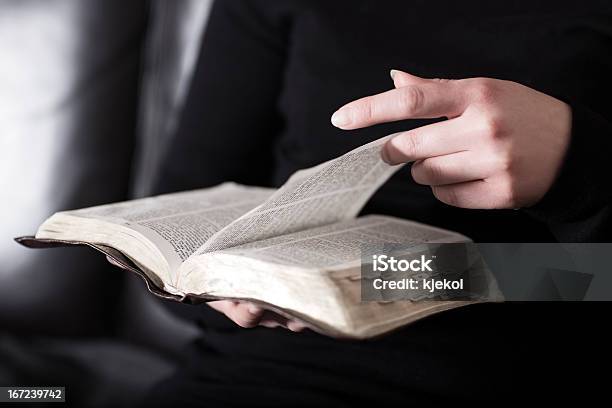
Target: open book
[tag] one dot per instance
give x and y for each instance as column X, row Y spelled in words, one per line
column 295, row 250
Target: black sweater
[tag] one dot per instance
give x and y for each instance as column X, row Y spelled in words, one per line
column 270, row 75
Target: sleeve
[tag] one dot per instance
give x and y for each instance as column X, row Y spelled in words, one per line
column 230, row 119
column 578, row 207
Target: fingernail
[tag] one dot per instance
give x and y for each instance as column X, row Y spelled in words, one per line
column 254, row 309
column 392, row 74
column 341, row 118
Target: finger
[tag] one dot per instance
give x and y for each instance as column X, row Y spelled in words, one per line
column 437, row 139
column 472, row 194
column 245, row 314
column 428, row 100
column 272, row 319
column 253, row 308
column 271, row 324
column 401, row 78
column 296, row 325
column 451, row 169
column 222, row 305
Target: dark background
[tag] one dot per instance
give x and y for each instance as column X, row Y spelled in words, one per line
column 87, row 89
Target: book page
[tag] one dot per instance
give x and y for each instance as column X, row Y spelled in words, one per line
column 314, row 274
column 341, row 244
column 325, row 194
column 180, row 223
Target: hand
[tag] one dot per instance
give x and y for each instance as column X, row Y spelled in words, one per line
column 501, row 147
column 247, row 315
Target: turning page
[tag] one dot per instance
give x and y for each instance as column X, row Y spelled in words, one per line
column 330, row 192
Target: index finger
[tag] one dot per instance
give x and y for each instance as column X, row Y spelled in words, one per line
column 423, row 101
